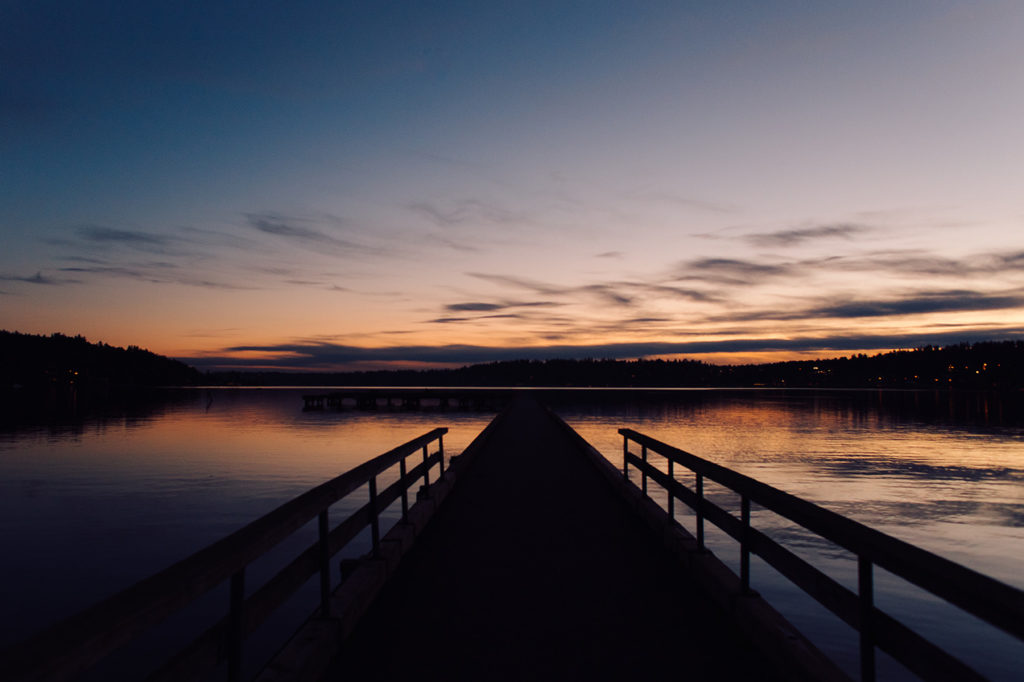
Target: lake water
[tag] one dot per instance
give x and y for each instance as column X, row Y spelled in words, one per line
column 88, row 506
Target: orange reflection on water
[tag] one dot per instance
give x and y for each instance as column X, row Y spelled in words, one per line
column 232, row 434
column 926, row 468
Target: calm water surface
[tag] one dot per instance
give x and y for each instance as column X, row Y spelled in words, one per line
column 90, row 506
column 944, row 472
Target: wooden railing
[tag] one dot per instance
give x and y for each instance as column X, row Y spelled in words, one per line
column 990, row 600
column 68, row 648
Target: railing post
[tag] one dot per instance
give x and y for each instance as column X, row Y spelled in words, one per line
column 625, row 462
column 325, row 567
column 643, row 471
column 866, row 589
column 374, row 524
column 700, row 511
column 440, row 451
column 671, row 497
column 745, row 544
column 426, row 469
column 234, row 630
column 405, row 489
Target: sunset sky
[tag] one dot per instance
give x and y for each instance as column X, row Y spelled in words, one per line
column 311, row 185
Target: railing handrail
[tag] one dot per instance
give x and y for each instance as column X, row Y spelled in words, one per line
column 987, row 598
column 91, row 634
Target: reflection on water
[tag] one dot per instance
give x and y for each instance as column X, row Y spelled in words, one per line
column 941, row 471
column 89, row 506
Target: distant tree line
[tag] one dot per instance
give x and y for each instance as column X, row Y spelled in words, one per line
column 983, row 365
column 33, row 361
column 30, row 361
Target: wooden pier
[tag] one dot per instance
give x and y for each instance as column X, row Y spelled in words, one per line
column 533, row 569
column 528, row 556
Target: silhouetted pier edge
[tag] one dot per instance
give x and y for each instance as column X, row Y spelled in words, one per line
column 529, row 555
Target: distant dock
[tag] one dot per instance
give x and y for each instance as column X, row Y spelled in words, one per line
column 378, row 398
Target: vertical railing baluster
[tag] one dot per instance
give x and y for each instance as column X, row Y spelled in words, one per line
column 865, row 586
column 234, row 629
column 405, row 488
column 374, row 524
column 625, row 462
column 325, row 568
column 426, row 469
column 700, row 511
column 643, row 471
column 745, row 544
column 671, row 496
column 440, row 451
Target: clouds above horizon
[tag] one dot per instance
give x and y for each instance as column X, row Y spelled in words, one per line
column 557, row 175
column 324, row 356
column 724, row 280
column 721, row 296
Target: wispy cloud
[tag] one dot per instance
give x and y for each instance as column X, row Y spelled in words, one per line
column 658, row 290
column 107, row 235
column 918, row 262
column 454, row 244
column 478, row 318
column 511, row 281
column 298, row 232
column 156, row 273
column 244, row 256
column 491, row 311
column 731, row 270
column 691, row 203
column 474, row 306
column 38, row 278
column 797, row 236
column 909, row 303
column 618, row 293
column 104, row 240
column 609, row 293
column 910, row 264
column 944, row 301
column 114, row 271
column 605, row 292
column 468, row 211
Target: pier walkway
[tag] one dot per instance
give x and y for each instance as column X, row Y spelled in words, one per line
column 533, row 569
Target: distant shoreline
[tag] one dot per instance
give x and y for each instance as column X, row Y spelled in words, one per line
column 58, row 363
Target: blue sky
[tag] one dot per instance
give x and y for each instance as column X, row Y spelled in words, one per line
column 313, row 185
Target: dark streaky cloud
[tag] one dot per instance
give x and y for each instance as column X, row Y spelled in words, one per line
column 730, row 270
column 38, row 278
column 923, row 263
column 799, row 235
column 99, row 233
column 301, row 235
column 914, row 303
column 616, row 292
column 474, row 307
column 479, row 306
column 946, row 301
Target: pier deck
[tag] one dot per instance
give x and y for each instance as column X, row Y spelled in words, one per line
column 533, row 569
